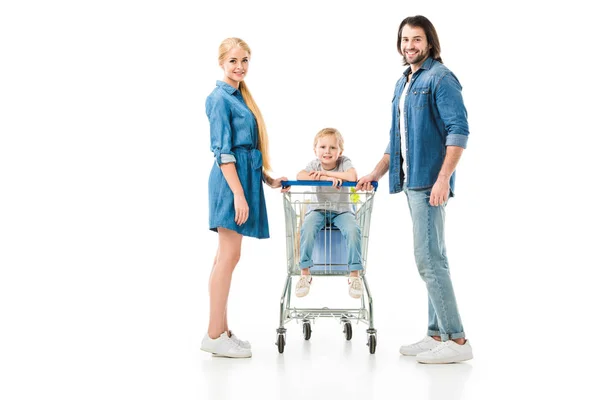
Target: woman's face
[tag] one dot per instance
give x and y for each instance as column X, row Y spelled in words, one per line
column 235, row 66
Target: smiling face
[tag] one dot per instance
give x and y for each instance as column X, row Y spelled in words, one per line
column 235, row 65
column 414, row 46
column 328, row 151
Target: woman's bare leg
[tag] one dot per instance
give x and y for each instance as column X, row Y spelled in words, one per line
column 211, row 272
column 228, row 255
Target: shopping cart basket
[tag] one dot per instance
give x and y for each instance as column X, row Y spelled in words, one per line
column 329, row 258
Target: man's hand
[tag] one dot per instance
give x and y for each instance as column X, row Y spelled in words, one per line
column 440, row 191
column 364, row 183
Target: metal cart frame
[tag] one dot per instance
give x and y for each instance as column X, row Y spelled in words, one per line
column 295, row 204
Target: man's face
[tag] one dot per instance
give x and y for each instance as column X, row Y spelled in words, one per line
column 414, row 47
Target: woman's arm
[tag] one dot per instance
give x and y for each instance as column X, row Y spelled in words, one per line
column 239, row 199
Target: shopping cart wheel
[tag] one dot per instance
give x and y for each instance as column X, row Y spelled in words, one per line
column 372, row 344
column 306, row 330
column 348, row 330
column 280, row 342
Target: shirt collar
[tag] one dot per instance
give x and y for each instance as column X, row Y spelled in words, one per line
column 426, row 65
column 227, row 87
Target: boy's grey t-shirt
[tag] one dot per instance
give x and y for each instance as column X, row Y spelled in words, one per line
column 331, row 198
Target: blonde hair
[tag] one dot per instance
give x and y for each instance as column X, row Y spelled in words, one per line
column 263, row 139
column 330, row 132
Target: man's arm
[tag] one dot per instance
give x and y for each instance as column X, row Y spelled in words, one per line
column 380, row 170
column 441, row 189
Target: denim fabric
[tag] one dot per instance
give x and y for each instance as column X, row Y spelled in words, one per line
column 435, row 117
column 432, row 263
column 234, row 138
column 345, row 222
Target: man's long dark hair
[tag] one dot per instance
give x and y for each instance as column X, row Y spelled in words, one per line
column 420, row 21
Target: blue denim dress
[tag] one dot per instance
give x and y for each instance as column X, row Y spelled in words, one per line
column 234, row 138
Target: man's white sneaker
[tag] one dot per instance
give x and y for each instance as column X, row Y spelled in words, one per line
column 427, row 343
column 223, row 346
column 355, row 287
column 447, row 352
column 303, row 285
column 244, row 344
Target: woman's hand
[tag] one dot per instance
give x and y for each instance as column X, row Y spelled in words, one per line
column 241, row 208
column 275, row 183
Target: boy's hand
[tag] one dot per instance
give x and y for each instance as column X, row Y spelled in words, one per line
column 316, row 175
column 337, row 182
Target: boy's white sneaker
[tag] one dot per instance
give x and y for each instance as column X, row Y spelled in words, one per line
column 427, row 343
column 355, row 287
column 303, row 285
column 447, row 352
column 223, row 346
column 244, row 344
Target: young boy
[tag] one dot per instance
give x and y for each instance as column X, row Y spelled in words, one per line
column 330, row 165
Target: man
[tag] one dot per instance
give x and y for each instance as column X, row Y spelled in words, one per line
column 429, row 132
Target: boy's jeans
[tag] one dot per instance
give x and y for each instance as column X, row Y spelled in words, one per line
column 345, row 222
column 430, row 255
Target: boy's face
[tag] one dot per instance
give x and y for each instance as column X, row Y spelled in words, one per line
column 328, row 151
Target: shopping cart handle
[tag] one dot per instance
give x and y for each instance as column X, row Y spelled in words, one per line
column 285, row 184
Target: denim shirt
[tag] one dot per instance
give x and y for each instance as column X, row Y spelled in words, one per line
column 232, row 126
column 435, row 117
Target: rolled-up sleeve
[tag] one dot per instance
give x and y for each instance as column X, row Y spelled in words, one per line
column 387, row 149
column 452, row 111
column 220, row 130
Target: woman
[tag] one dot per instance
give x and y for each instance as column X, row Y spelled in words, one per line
column 237, row 203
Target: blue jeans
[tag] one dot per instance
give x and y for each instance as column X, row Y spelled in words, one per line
column 345, row 222
column 430, row 255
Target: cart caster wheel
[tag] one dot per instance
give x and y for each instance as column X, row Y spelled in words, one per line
column 306, row 330
column 372, row 344
column 280, row 343
column 348, row 330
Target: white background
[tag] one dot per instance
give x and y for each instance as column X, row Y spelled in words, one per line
column 105, row 250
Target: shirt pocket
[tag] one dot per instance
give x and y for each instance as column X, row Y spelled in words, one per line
column 239, row 111
column 420, row 97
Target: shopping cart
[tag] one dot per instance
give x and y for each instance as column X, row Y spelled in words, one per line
column 329, row 258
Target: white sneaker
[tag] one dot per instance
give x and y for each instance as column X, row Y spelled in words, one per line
column 244, row 344
column 223, row 346
column 447, row 352
column 355, row 287
column 303, row 285
column 427, row 343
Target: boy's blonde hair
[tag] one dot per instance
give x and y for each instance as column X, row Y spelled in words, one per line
column 333, row 132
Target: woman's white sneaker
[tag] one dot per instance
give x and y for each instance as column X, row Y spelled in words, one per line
column 244, row 344
column 447, row 352
column 223, row 346
column 427, row 343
